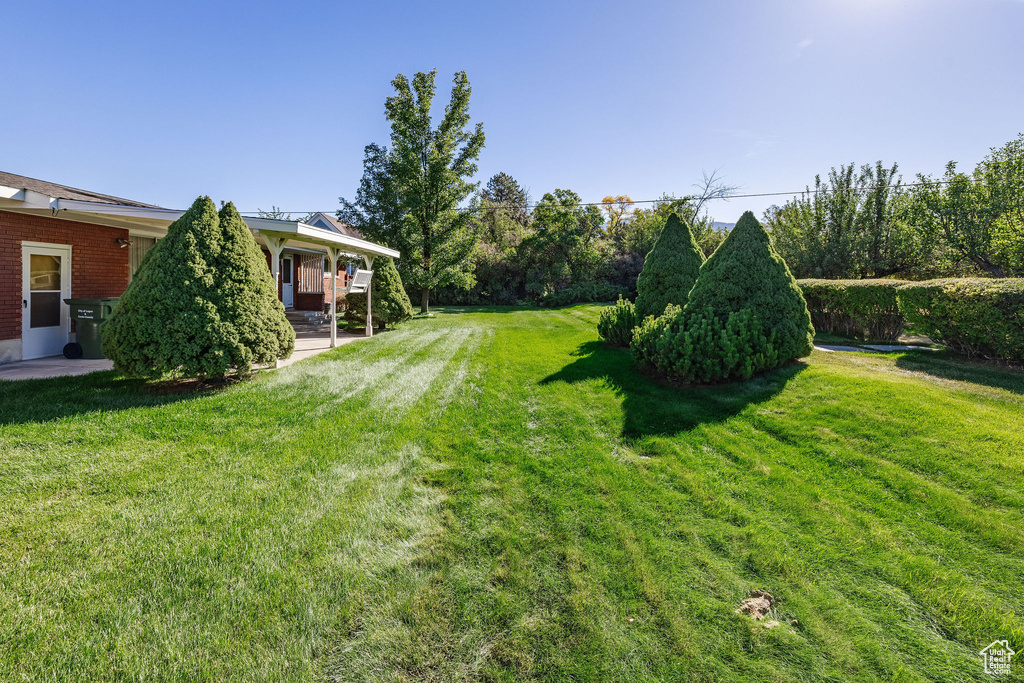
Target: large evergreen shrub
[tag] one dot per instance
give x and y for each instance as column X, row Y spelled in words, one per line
column 246, row 296
column 201, row 303
column 744, row 315
column 616, row 323
column 670, row 270
column 746, row 272
column 391, row 304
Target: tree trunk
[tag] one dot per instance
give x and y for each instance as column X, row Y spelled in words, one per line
column 425, row 301
column 986, row 264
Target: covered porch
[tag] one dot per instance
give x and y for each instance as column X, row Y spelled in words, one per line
column 277, row 235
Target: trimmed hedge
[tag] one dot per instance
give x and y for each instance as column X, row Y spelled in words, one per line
column 855, row 308
column 974, row 317
column 616, row 323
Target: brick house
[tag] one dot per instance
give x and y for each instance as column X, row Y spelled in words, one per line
column 58, row 242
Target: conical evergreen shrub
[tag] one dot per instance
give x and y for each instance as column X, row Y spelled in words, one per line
column 670, row 270
column 745, row 314
column 246, row 297
column 391, row 304
column 198, row 304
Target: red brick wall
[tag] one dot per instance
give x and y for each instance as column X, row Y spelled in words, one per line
column 306, row 301
column 99, row 266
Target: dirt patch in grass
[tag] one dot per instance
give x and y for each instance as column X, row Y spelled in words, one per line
column 757, row 604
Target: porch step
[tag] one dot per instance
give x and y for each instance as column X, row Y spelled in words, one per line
column 312, row 318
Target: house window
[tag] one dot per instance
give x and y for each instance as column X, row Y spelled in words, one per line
column 136, row 250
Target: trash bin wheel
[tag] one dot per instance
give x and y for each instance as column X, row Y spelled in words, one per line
column 73, row 350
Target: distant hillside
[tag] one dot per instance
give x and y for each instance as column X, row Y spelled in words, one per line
column 718, row 225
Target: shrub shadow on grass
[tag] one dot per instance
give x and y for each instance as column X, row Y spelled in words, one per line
column 43, row 400
column 653, row 408
column 946, row 365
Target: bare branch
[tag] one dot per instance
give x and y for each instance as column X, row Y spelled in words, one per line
column 711, row 188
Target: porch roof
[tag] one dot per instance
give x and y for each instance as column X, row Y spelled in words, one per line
column 302, row 235
column 152, row 221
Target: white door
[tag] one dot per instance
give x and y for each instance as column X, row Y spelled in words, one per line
column 46, row 282
column 286, row 282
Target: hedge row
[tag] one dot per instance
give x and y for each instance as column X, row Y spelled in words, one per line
column 855, row 308
column 977, row 318
column 974, row 317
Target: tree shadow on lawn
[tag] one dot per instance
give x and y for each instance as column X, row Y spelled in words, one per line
column 946, row 365
column 42, row 400
column 654, row 408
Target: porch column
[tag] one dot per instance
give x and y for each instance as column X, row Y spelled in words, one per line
column 332, row 256
column 369, row 304
column 275, row 245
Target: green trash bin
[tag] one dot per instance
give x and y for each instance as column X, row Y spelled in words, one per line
column 88, row 314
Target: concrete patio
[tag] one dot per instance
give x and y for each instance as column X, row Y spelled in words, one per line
column 309, row 341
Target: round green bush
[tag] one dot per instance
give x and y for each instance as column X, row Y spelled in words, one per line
column 647, row 345
column 616, row 323
column 670, row 269
column 201, row 303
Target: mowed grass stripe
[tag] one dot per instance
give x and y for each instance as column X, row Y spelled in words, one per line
column 491, row 494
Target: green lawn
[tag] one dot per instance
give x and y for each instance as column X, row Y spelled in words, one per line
column 492, row 494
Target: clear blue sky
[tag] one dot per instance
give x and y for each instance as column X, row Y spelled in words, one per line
column 272, row 102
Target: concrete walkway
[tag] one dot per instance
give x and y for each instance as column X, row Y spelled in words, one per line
column 882, row 348
column 308, row 342
column 52, row 366
column 313, row 342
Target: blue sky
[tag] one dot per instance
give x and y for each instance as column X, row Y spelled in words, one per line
column 272, row 103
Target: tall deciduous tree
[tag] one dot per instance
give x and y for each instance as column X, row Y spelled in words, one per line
column 410, row 193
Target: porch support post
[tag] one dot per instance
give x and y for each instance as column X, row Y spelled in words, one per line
column 369, row 304
column 275, row 245
column 332, row 256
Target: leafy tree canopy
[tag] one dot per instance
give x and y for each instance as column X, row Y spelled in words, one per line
column 410, row 193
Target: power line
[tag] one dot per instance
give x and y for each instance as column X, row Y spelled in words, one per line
column 662, row 200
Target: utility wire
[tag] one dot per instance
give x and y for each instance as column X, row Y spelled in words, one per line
column 662, row 200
